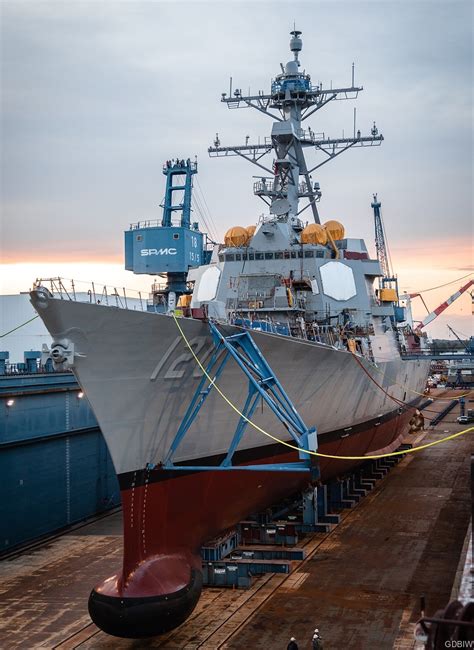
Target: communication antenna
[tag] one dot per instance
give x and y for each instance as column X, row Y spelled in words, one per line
column 291, row 100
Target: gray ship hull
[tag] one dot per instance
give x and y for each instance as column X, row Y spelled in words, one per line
column 139, row 377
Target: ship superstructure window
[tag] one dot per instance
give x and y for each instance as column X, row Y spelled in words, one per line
column 251, row 256
column 176, row 235
column 238, row 257
column 293, row 255
column 319, row 253
column 230, row 257
column 300, row 254
column 279, row 255
column 309, row 253
column 259, row 256
column 221, row 258
column 268, row 256
column 139, row 238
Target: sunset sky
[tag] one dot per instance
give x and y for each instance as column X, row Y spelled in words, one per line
column 96, row 95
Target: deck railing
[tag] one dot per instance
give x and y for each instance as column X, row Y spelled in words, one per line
column 96, row 293
column 21, row 368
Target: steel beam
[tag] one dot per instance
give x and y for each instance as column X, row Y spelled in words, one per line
column 262, row 385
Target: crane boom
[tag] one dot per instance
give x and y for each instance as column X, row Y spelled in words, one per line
column 466, row 346
column 436, row 312
column 416, row 295
column 380, row 244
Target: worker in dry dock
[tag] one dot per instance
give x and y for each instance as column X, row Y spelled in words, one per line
column 316, row 641
column 417, row 422
column 292, row 644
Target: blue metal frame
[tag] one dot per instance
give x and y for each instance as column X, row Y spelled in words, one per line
column 179, row 168
column 263, row 384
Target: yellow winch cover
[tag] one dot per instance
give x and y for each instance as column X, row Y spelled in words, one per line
column 236, row 236
column 313, row 233
column 335, row 229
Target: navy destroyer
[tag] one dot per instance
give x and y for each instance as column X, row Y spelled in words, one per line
column 264, row 364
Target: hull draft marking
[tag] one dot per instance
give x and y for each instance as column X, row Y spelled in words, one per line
column 263, row 385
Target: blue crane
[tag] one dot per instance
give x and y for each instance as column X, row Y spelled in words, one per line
column 171, row 246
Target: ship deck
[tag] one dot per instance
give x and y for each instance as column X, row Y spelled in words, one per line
column 360, row 584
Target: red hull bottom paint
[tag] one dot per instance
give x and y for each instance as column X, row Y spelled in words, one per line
column 167, row 520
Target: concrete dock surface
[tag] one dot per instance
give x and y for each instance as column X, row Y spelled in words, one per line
column 360, row 584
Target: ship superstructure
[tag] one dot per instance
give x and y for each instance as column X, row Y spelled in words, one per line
column 285, row 305
column 285, row 275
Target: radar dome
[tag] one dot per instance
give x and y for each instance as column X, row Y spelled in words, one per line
column 291, row 67
column 335, row 229
column 314, row 234
column 251, row 231
column 296, row 44
column 236, row 236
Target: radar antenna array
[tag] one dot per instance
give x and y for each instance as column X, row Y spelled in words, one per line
column 292, row 100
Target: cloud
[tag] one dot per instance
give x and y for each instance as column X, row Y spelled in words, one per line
column 97, row 94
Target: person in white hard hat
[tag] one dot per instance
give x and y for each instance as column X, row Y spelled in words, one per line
column 292, row 644
column 317, row 643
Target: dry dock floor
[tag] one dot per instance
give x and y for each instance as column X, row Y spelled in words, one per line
column 360, row 584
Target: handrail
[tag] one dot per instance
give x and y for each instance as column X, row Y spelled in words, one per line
column 80, row 291
column 21, row 368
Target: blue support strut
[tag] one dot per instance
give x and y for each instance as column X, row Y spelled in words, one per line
column 262, row 384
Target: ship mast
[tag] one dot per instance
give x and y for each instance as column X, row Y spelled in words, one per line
column 291, row 101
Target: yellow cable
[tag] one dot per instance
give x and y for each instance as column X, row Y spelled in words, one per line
column 18, row 327
column 287, row 444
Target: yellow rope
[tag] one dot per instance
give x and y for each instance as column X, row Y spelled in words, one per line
column 287, row 444
column 18, row 327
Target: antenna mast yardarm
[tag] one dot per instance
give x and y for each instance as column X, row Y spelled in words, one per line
column 291, row 101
